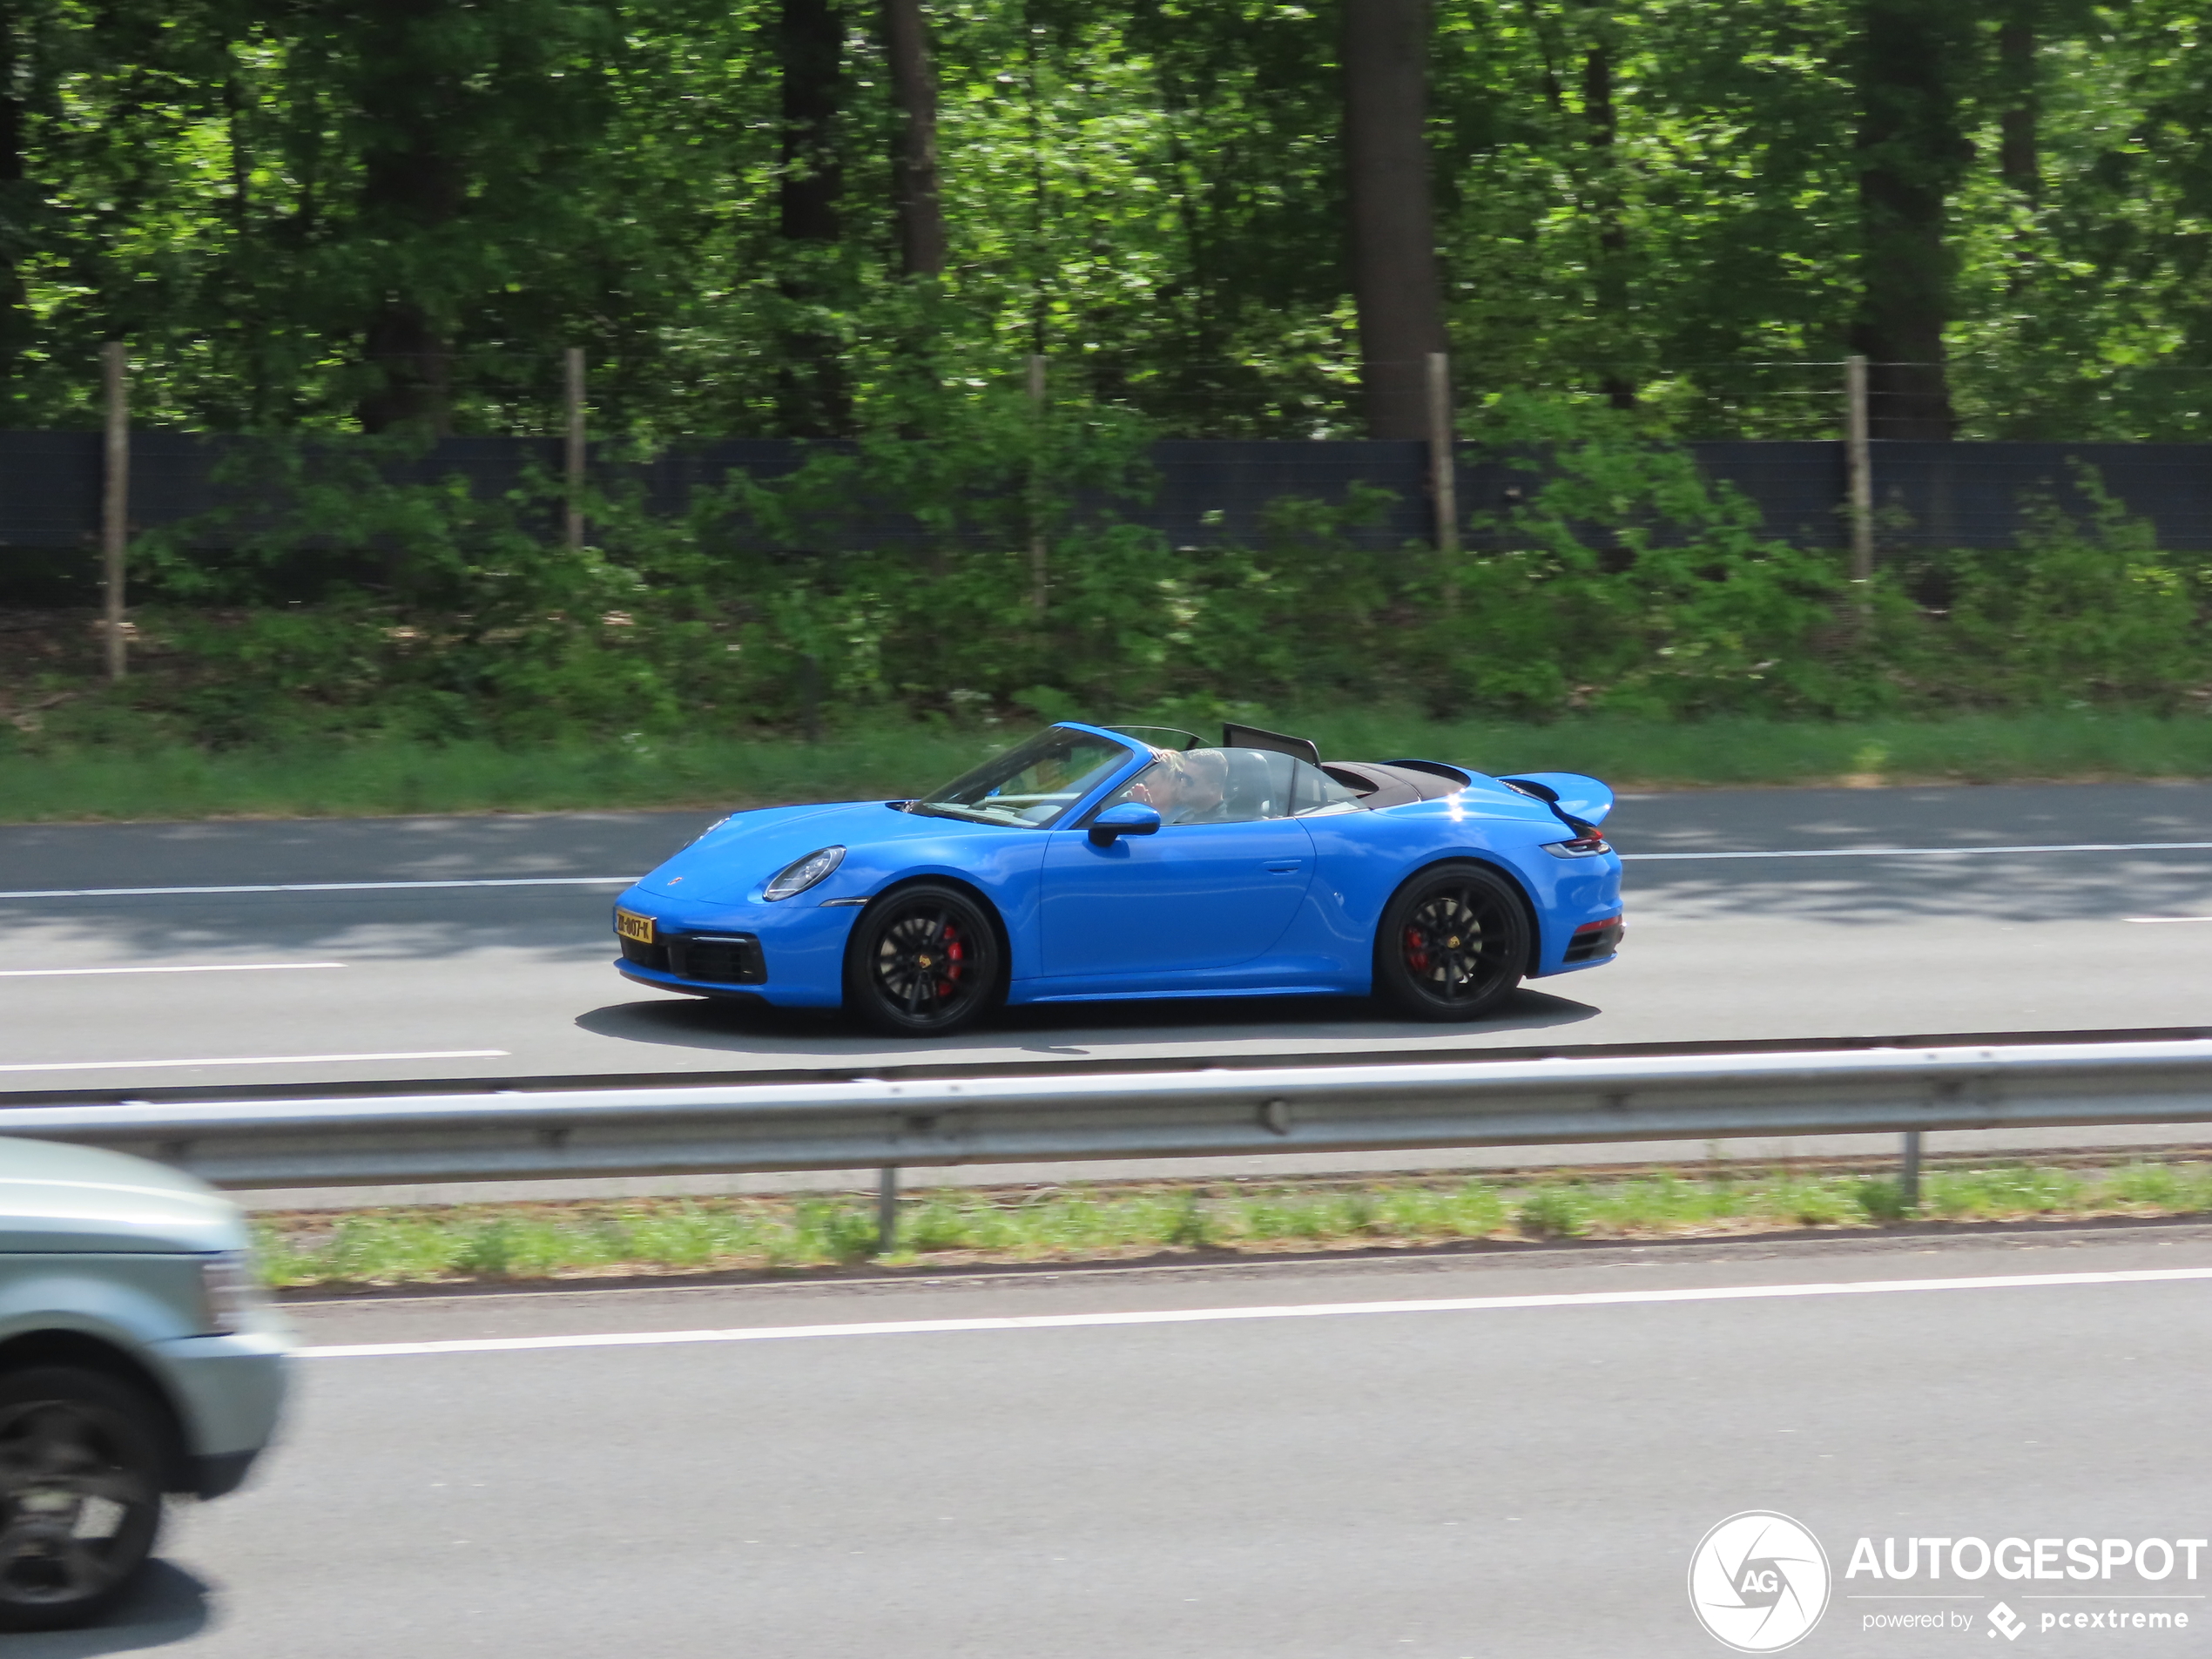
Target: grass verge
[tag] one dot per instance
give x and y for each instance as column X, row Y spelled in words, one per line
column 369, row 779
column 489, row 1243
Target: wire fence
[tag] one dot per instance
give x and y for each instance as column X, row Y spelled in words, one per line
column 705, row 389
column 1926, row 494
column 1906, row 486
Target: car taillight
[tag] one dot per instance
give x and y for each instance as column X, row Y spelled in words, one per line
column 1583, row 846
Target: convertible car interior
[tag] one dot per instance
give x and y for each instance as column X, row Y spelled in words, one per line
column 1264, row 778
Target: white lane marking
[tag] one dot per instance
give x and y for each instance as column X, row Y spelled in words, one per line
column 257, row 1060
column 204, row 967
column 1924, row 851
column 2152, row 920
column 626, row 881
column 324, row 887
column 1203, row 1316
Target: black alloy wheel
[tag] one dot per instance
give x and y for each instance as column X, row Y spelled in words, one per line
column 924, row 961
column 1453, row 943
column 81, row 1465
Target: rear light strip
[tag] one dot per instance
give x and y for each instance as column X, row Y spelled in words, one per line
column 1583, row 846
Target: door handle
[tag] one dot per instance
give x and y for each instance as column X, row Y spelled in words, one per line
column 1283, row 866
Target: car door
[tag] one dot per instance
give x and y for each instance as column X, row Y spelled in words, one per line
column 1151, row 910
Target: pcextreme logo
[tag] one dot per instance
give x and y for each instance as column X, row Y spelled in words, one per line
column 1758, row 1581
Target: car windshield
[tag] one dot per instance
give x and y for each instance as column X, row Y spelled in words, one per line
column 1034, row 784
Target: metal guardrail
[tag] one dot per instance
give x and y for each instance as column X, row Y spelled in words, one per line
column 1009, row 1062
column 1044, row 1119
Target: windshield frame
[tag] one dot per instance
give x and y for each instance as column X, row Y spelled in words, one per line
column 1134, row 755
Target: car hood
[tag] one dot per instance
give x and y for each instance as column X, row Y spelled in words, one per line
column 57, row 1199
column 742, row 852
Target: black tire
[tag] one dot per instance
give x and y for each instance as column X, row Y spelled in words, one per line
column 82, row 1461
column 1453, row 943
column 924, row 962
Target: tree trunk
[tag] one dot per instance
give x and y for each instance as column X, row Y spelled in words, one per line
column 16, row 204
column 412, row 187
column 913, row 145
column 812, row 398
column 1609, row 272
column 1910, row 155
column 1394, row 280
column 2017, row 162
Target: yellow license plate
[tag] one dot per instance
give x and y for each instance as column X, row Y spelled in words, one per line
column 637, row 927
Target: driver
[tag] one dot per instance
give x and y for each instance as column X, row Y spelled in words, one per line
column 1187, row 788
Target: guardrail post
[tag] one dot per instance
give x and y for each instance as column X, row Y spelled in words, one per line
column 1908, row 1177
column 887, row 1209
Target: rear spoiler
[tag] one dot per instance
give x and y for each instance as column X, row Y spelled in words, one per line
column 1580, row 803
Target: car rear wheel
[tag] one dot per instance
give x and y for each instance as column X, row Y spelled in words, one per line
column 81, row 1465
column 1453, row 943
column 924, row 961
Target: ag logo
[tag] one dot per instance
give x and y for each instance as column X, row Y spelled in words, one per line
column 1758, row 1581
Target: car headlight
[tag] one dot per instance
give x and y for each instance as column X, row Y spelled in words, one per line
column 797, row 878
column 228, row 1292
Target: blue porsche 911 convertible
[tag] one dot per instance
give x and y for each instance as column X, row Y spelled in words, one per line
column 1092, row 862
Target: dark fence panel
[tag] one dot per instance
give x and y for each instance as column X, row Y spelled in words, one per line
column 1928, row 494
column 1230, row 482
column 1799, row 488
column 50, row 489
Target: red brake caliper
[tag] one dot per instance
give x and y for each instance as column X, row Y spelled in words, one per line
column 1416, row 950
column 954, row 951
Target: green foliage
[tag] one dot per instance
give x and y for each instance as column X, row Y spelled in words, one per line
column 354, row 598
column 109, row 760
column 351, row 599
column 2086, row 611
column 527, row 1241
column 1150, row 192
column 1629, row 583
column 1881, row 1201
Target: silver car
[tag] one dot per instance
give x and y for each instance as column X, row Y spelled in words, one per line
column 137, row 1358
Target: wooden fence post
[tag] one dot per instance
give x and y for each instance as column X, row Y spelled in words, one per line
column 1443, row 473
column 1039, row 584
column 573, row 397
column 1861, row 464
column 115, row 500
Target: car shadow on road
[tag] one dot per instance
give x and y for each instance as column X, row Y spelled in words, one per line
column 167, row 1605
column 1098, row 1028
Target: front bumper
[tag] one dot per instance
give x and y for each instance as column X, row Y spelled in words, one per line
column 229, row 1392
column 789, row 955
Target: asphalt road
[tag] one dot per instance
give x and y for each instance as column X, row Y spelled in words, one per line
column 492, row 981
column 1822, row 932
column 1243, row 1462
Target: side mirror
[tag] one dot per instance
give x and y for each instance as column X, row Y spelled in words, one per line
column 1129, row 818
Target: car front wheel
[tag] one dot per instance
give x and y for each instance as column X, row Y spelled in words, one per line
column 1453, row 943
column 81, row 1467
column 924, row 962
